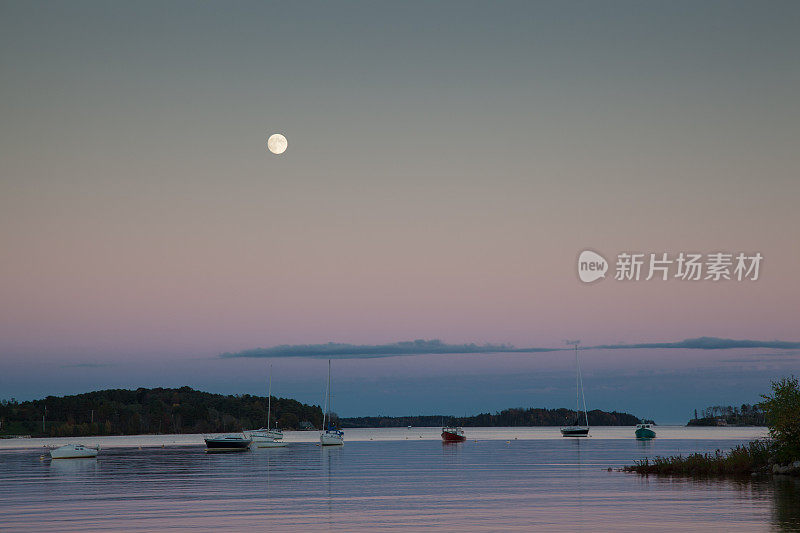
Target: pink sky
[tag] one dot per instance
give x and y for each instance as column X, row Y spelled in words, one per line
column 435, row 187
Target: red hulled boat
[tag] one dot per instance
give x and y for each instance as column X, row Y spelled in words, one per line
column 453, row 434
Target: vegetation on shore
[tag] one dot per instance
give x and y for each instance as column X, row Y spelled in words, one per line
column 185, row 410
column 783, row 418
column 780, row 453
column 729, row 415
column 506, row 418
column 142, row 411
column 742, row 460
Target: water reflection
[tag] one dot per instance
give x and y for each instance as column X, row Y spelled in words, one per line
column 73, row 466
column 785, row 493
column 416, row 484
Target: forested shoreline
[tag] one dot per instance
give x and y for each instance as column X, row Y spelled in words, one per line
column 150, row 411
column 505, row 418
column 729, row 415
column 185, row 410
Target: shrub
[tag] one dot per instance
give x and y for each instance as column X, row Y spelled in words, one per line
column 741, row 460
column 782, row 410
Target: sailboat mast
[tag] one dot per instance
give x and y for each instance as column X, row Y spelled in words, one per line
column 330, row 401
column 577, row 384
column 269, row 398
column 327, row 391
column 580, row 378
column 325, row 406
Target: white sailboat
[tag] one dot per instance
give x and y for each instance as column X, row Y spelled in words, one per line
column 74, row 451
column 576, row 429
column 330, row 436
column 268, row 437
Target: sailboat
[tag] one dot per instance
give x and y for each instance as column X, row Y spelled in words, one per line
column 228, row 443
column 74, row 451
column 330, row 436
column 576, row 429
column 268, row 437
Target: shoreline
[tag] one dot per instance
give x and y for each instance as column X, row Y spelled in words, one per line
column 552, row 433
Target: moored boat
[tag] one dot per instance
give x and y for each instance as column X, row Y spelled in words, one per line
column 228, row 443
column 644, row 432
column 330, row 436
column 453, row 434
column 576, row 429
column 268, row 437
column 74, row 451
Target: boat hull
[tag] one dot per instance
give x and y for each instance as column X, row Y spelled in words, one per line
column 645, row 434
column 269, row 444
column 227, row 445
column 267, row 439
column 575, row 431
column 74, row 452
column 453, row 436
column 266, row 435
column 331, row 438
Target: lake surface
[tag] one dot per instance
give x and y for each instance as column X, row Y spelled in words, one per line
column 393, row 479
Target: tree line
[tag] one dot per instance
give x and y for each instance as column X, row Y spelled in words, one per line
column 730, row 415
column 508, row 417
column 150, row 411
column 779, row 454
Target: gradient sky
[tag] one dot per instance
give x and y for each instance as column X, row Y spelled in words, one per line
column 446, row 164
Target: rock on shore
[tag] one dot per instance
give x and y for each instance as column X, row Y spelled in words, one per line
column 791, row 469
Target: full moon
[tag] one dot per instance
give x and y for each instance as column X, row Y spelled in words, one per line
column 277, row 143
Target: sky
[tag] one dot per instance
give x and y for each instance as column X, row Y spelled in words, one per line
column 447, row 163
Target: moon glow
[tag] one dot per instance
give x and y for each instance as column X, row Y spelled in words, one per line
column 277, row 143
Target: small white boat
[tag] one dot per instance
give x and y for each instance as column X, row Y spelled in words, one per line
column 330, row 435
column 266, row 437
column 74, row 451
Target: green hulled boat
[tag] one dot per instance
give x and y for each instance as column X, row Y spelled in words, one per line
column 644, row 432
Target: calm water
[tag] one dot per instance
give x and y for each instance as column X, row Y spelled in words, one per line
column 389, row 480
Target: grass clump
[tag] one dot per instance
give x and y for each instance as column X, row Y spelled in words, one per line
column 741, row 460
column 782, row 411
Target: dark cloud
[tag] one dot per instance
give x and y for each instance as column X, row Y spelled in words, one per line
column 85, row 365
column 706, row 343
column 352, row 351
column 424, row 347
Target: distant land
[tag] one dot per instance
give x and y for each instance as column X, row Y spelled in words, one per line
column 506, row 418
column 185, row 410
column 729, row 415
column 148, row 411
